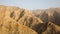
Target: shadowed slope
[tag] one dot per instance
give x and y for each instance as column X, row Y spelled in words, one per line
column 52, row 18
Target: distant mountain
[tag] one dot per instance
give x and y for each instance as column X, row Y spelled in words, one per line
column 51, row 17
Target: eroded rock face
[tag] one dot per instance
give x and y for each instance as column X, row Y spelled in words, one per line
column 14, row 20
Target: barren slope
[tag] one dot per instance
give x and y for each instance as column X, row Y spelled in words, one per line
column 10, row 15
column 14, row 20
column 52, row 18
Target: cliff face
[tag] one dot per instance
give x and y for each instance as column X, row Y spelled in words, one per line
column 14, row 20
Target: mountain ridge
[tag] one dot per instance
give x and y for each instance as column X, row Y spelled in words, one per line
column 41, row 21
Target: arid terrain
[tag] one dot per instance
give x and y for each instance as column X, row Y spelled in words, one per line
column 15, row 20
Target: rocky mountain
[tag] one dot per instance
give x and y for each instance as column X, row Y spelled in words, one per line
column 51, row 17
column 15, row 20
column 9, row 21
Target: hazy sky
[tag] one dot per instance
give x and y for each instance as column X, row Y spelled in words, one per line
column 31, row 4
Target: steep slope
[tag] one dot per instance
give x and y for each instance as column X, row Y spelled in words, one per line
column 52, row 19
column 18, row 15
column 10, row 26
column 9, row 23
column 14, row 20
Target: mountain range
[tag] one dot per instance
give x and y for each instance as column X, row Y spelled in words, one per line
column 15, row 20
